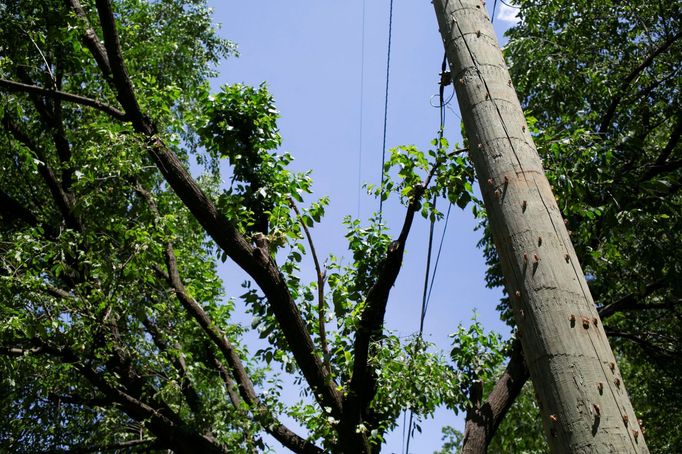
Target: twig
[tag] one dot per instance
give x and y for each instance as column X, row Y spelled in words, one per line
column 13, row 86
column 320, row 289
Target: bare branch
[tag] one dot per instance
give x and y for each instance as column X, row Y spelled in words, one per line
column 321, row 306
column 12, row 86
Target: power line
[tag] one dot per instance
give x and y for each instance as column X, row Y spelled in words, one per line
column 362, row 104
column 426, row 295
column 388, row 73
column 492, row 18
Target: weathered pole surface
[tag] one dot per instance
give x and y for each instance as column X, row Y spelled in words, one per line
column 585, row 408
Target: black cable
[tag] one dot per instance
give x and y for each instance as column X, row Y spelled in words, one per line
column 492, row 18
column 388, row 73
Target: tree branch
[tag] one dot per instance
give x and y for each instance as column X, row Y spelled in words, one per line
column 178, row 360
column 216, row 335
column 168, row 428
column 320, row 289
column 91, row 40
column 123, row 446
column 12, row 86
column 611, row 110
column 631, row 301
column 482, row 421
column 64, row 203
column 362, row 386
column 255, row 262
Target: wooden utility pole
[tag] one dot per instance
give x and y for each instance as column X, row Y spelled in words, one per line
column 585, row 408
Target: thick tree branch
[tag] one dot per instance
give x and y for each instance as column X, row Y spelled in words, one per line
column 362, row 386
column 483, row 420
column 167, row 428
column 63, row 201
column 91, row 40
column 631, row 301
column 12, row 86
column 620, row 93
column 320, row 289
column 372, row 318
column 255, row 262
column 284, row 435
column 660, row 353
column 662, row 165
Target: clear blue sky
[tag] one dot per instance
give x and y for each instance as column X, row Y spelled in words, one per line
column 310, row 55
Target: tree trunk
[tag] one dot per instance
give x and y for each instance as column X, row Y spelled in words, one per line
column 585, row 408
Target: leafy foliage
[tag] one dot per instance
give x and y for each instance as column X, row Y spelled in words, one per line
column 116, row 331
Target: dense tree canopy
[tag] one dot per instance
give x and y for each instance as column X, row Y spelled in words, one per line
column 116, row 332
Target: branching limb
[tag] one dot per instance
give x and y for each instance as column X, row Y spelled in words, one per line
column 91, row 40
column 321, row 306
column 482, row 420
column 216, row 335
column 611, row 109
column 166, row 427
column 632, row 301
column 255, row 262
column 63, row 201
column 9, row 85
column 362, row 387
column 178, row 360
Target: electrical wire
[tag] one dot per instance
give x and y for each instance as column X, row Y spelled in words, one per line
column 362, row 103
column 426, row 295
column 388, row 73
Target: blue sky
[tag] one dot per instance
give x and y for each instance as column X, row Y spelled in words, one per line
column 310, row 53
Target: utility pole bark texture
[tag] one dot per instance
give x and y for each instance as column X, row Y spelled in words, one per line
column 585, row 407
